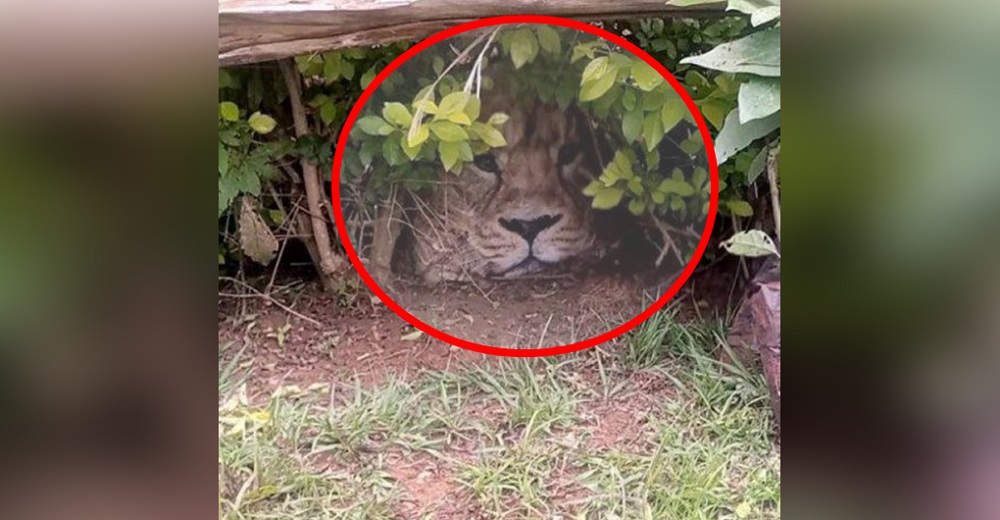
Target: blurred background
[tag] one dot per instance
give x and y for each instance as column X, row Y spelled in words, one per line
column 891, row 249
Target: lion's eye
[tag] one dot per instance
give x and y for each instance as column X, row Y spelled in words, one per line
column 568, row 153
column 487, row 163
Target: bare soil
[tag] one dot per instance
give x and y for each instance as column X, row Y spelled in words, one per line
column 314, row 335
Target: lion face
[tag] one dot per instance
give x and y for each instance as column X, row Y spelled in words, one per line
column 517, row 209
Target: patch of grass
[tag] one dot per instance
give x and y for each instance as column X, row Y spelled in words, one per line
column 230, row 376
column 509, row 435
column 517, row 480
column 263, row 475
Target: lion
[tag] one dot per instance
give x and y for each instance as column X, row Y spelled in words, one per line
column 517, row 210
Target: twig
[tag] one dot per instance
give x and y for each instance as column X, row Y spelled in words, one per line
column 270, row 299
column 668, row 242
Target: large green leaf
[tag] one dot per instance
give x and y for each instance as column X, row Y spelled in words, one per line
column 397, row 114
column 597, row 87
column 448, row 131
column 758, row 53
column 736, row 136
column 646, row 77
column 759, row 97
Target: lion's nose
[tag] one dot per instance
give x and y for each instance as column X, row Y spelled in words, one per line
column 529, row 229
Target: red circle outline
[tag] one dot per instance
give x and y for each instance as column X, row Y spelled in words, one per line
column 548, row 351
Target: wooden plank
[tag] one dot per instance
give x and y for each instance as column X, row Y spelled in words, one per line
column 252, row 31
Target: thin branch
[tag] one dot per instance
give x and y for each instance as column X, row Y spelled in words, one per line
column 270, row 299
column 330, row 265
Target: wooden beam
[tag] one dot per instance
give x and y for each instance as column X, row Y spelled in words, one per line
column 252, row 31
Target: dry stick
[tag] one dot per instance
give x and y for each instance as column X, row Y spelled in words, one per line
column 668, row 243
column 772, row 179
column 272, row 300
column 289, row 220
column 330, row 265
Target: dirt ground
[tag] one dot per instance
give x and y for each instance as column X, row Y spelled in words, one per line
column 299, row 333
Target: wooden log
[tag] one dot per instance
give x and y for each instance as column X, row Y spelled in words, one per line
column 252, row 31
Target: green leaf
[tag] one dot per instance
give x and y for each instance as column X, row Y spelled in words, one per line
column 472, row 108
column 679, row 187
column 261, row 123
column 635, row 185
column 646, row 77
column 758, row 53
column 448, row 131
column 319, row 100
column 758, row 98
column 426, row 106
column 523, row 47
column 607, row 198
column 368, row 77
column 331, row 67
column 752, row 243
column 594, row 70
column 397, row 114
column 229, row 111
column 637, row 207
column 672, row 112
column 418, row 136
column 691, row 145
column 715, row 111
column 593, row 188
column 223, row 160
column 498, row 119
column 548, row 39
column 632, row 125
column 452, row 103
column 449, row 153
column 438, row 65
column 700, row 178
column 460, row 118
column 371, row 125
column 652, row 130
column 411, row 151
column 597, row 88
column 347, row 70
column 584, row 49
column 328, row 113
column 392, row 151
column 488, row 134
column 757, row 166
column 740, row 208
column 225, row 80
column 735, row 136
column 629, row 100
